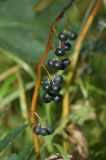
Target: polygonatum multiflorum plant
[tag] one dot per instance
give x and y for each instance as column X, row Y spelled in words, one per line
column 52, row 84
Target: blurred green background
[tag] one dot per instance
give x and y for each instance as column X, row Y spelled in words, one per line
column 24, row 28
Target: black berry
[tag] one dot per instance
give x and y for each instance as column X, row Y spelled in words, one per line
column 67, row 46
column 47, row 86
column 46, row 81
column 58, row 98
column 50, row 129
column 73, row 36
column 50, row 63
column 58, row 79
column 46, row 98
column 56, row 88
column 63, row 36
column 60, row 52
column 37, row 130
column 66, row 62
column 57, row 64
column 43, row 132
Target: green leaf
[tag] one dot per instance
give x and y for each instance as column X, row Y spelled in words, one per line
column 18, row 60
column 13, row 157
column 26, row 153
column 23, row 155
column 23, row 31
column 9, row 138
column 95, row 89
column 59, row 148
column 12, row 96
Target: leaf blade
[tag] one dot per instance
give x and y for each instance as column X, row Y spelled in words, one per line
column 10, row 137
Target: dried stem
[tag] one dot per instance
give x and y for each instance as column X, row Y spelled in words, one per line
column 79, row 43
column 39, row 72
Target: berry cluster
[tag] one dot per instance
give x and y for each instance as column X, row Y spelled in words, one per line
column 44, row 131
column 59, row 64
column 63, row 47
column 52, row 88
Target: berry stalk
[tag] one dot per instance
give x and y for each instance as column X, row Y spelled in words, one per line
column 39, row 73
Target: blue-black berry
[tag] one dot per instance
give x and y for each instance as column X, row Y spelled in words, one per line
column 47, row 87
column 37, row 129
column 43, row 132
column 60, row 52
column 50, row 63
column 58, row 98
column 46, row 81
column 73, row 36
column 47, row 98
column 50, row 129
column 66, row 62
column 55, row 90
column 57, row 64
column 58, row 79
column 63, row 36
column 67, row 46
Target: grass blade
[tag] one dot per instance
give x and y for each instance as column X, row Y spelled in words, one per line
column 9, row 138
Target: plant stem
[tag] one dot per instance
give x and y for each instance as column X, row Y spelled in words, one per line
column 39, row 72
column 82, row 35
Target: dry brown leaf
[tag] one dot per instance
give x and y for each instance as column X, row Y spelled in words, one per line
column 57, row 156
column 76, row 137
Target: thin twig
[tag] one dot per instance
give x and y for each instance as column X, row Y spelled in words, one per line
column 39, row 72
column 47, row 71
column 79, row 43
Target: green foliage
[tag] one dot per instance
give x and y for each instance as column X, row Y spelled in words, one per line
column 23, row 36
column 9, row 138
column 61, row 150
column 23, row 155
column 23, row 31
column 58, row 147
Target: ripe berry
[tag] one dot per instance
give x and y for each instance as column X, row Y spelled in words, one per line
column 50, row 63
column 73, row 36
column 66, row 62
column 43, row 132
column 46, row 81
column 58, row 98
column 57, row 64
column 58, row 79
column 67, row 46
column 50, row 129
column 47, row 87
column 63, row 36
column 60, row 52
column 47, row 98
column 37, row 130
column 56, row 88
